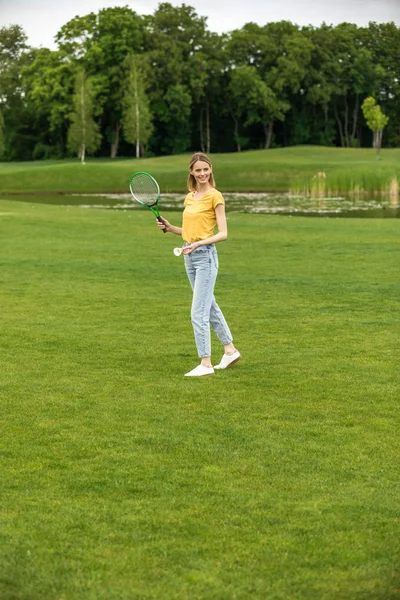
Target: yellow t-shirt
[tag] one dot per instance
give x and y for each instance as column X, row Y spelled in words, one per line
column 199, row 218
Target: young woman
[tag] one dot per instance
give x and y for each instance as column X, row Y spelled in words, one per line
column 204, row 209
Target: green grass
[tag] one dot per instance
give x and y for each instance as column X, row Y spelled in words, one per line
column 120, row 479
column 253, row 171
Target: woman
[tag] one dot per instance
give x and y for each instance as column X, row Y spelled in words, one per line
column 204, row 208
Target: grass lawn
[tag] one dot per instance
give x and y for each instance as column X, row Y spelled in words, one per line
column 121, row 479
column 280, row 170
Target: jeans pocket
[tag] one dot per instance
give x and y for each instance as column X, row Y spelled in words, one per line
column 200, row 254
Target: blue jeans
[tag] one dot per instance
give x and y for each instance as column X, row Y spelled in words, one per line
column 202, row 269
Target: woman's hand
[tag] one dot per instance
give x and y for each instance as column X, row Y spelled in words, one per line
column 163, row 224
column 166, row 226
column 189, row 249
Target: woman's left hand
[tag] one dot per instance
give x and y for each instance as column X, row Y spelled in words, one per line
column 189, row 249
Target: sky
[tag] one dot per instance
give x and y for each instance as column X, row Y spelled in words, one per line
column 42, row 19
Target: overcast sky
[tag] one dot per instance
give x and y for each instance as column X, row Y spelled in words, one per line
column 41, row 19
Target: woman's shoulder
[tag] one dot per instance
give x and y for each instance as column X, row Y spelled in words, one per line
column 216, row 193
column 188, row 198
column 217, row 197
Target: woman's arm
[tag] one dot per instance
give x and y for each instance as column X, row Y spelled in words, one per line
column 221, row 236
column 168, row 227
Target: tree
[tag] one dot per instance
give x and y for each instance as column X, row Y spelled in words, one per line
column 13, row 56
column 383, row 40
column 206, row 68
column 255, row 99
column 319, row 84
column 178, row 103
column 12, row 48
column 277, row 57
column 136, row 116
column 259, row 86
column 376, row 121
column 2, row 147
column 100, row 43
column 174, row 40
column 342, row 71
column 83, row 134
column 285, row 78
column 48, row 83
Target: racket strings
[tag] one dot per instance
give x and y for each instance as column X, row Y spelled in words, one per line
column 145, row 189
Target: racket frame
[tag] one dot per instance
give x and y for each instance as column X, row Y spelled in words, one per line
column 155, row 211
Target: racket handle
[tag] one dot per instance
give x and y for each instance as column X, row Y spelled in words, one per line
column 160, row 219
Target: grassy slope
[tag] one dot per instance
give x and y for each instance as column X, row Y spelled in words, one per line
column 262, row 170
column 121, row 479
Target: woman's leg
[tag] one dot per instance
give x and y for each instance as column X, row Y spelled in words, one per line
column 219, row 324
column 217, row 319
column 202, row 273
column 221, row 328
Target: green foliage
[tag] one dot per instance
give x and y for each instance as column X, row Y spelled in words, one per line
column 136, row 116
column 83, row 134
column 175, row 117
column 177, row 45
column 43, row 151
column 255, row 99
column 342, row 70
column 101, row 43
column 49, row 83
column 13, row 57
column 12, row 47
column 2, row 146
column 276, row 84
column 375, row 120
column 383, row 40
column 373, row 114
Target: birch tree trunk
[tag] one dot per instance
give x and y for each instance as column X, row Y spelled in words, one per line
column 138, row 133
column 377, row 144
column 201, row 130
column 208, row 132
column 83, row 133
column 83, row 122
column 137, row 120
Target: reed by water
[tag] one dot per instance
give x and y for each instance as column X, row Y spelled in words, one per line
column 355, row 184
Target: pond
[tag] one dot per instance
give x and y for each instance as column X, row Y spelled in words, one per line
column 378, row 206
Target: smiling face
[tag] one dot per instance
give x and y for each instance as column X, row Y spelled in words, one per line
column 201, row 171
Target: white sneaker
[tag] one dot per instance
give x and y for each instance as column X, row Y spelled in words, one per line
column 199, row 371
column 228, row 360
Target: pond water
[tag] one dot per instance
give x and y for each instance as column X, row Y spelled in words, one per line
column 377, row 206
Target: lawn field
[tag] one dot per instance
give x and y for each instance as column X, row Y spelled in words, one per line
column 121, row 479
column 282, row 170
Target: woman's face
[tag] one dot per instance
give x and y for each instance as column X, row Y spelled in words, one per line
column 201, row 171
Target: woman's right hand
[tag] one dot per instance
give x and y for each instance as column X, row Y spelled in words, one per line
column 163, row 224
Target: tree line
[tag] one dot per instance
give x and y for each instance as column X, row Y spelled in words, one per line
column 124, row 84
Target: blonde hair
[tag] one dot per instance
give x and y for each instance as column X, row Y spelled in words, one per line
column 191, row 182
